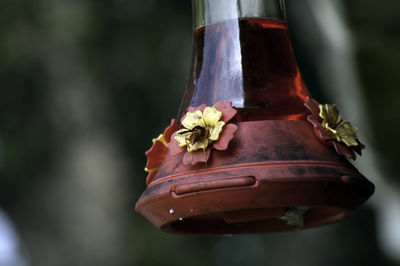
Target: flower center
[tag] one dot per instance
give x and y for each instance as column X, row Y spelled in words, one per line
column 199, row 134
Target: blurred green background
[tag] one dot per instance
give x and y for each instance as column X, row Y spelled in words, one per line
column 85, row 86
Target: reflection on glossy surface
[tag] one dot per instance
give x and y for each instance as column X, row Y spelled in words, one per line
column 251, row 63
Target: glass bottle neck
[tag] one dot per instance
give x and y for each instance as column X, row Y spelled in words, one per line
column 207, row 12
column 242, row 53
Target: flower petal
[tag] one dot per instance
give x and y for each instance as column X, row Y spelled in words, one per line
column 359, row 147
column 170, row 129
column 343, row 150
column 330, row 132
column 156, row 154
column 150, row 177
column 330, row 114
column 193, row 119
column 174, row 147
column 181, row 137
column 211, row 116
column 161, row 139
column 319, row 131
column 200, row 107
column 193, row 109
column 346, row 133
column 313, row 106
column 199, row 145
column 225, row 137
column 216, row 130
column 196, row 157
column 228, row 112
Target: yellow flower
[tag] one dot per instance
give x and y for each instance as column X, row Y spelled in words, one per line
column 200, row 129
column 337, row 128
column 158, row 151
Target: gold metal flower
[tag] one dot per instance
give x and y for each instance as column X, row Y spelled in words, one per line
column 337, row 128
column 204, row 129
column 200, row 129
column 332, row 130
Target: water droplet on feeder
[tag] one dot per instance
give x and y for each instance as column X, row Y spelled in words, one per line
column 171, row 211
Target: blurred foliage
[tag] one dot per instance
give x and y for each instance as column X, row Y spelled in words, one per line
column 376, row 30
column 23, row 116
column 133, row 57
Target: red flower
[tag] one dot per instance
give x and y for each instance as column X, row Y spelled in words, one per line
column 204, row 127
column 332, row 130
column 158, row 151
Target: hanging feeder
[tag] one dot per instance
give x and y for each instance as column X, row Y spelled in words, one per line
column 251, row 151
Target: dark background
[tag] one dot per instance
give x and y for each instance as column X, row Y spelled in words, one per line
column 84, row 87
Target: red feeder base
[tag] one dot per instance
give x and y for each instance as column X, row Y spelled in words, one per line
column 275, row 176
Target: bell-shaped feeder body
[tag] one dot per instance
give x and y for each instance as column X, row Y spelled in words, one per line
column 276, row 175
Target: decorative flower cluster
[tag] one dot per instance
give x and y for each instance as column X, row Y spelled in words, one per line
column 204, row 127
column 331, row 129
